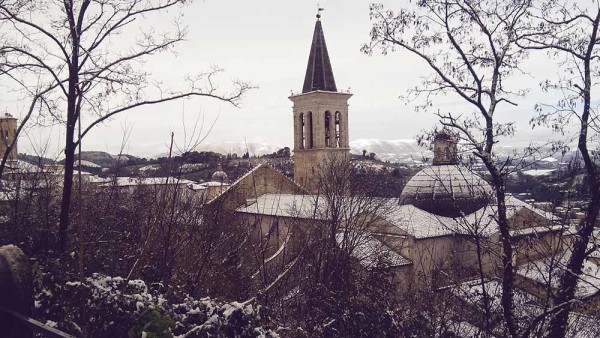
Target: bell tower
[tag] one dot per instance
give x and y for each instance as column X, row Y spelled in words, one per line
column 8, row 132
column 320, row 116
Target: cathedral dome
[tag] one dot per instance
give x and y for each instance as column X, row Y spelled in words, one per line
column 219, row 175
column 447, row 190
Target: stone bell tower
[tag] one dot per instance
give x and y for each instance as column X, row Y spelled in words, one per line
column 8, row 132
column 320, row 117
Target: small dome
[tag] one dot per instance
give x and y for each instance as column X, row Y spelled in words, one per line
column 447, row 190
column 219, row 175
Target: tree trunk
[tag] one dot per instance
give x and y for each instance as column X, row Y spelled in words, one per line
column 72, row 116
column 569, row 278
column 65, row 206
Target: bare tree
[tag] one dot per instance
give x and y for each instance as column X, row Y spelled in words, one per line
column 568, row 31
column 471, row 48
column 74, row 45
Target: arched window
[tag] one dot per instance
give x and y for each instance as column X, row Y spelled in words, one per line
column 302, row 130
column 309, row 130
column 338, row 122
column 328, row 124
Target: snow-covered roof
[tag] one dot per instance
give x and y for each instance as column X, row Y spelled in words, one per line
column 372, row 253
column 538, row 172
column 196, row 186
column 287, row 205
column 149, row 167
column 537, row 230
column 85, row 163
column 422, row 224
column 135, row 181
column 549, row 159
column 98, row 179
column 547, row 270
column 416, row 222
column 214, row 184
column 22, row 167
column 471, row 292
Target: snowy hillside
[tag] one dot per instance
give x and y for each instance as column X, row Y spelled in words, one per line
column 240, row 148
column 403, row 151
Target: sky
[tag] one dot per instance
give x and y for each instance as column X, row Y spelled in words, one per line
column 267, row 42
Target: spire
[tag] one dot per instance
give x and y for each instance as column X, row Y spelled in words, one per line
column 319, row 75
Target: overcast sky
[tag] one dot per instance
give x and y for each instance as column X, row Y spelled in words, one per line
column 267, row 43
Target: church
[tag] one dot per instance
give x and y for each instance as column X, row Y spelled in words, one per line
column 440, row 231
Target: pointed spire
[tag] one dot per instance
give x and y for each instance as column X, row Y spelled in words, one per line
column 319, row 75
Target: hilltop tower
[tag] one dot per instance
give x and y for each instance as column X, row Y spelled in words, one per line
column 320, row 116
column 8, row 132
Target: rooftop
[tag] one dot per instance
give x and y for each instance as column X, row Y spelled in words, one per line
column 416, row 222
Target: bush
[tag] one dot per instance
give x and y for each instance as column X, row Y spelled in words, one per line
column 153, row 323
column 113, row 307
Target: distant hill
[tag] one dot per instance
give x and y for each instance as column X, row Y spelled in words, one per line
column 102, row 159
column 401, row 151
column 36, row 160
column 239, row 148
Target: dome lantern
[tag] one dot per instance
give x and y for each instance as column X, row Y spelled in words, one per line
column 219, row 175
column 444, row 148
